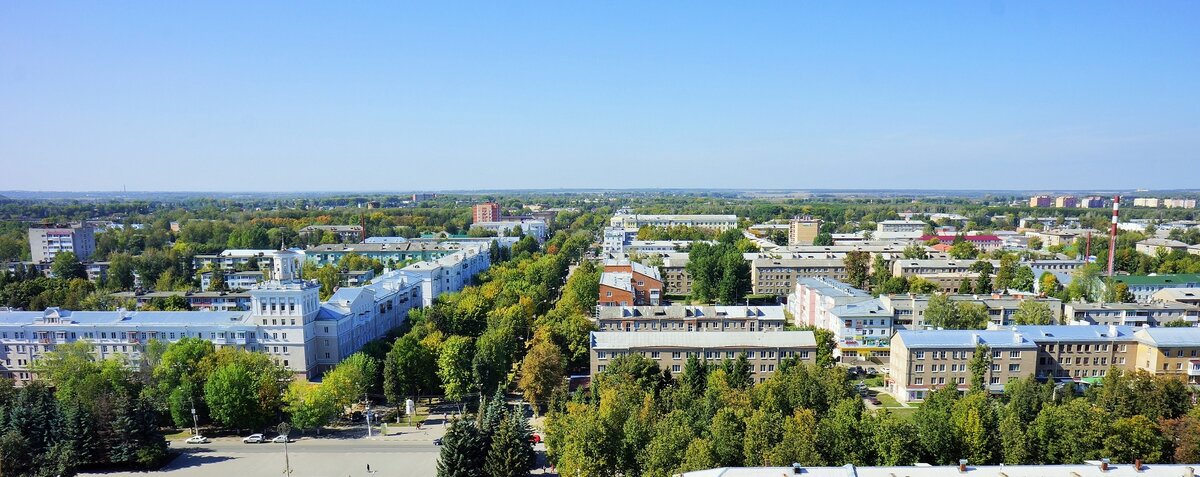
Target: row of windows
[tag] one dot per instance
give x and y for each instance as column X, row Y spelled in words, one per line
column 707, row 354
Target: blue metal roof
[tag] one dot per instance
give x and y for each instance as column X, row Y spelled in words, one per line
column 128, row 317
column 1189, row 336
column 1075, row 332
column 963, row 338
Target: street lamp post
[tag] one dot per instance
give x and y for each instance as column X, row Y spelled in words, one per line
column 195, row 420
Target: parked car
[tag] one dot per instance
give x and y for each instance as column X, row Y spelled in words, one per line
column 281, row 439
column 437, row 442
column 254, row 439
column 873, row 400
column 534, row 438
column 197, row 440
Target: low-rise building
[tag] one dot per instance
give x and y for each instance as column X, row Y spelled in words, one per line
column 909, row 310
column 777, row 276
column 637, row 221
column 983, row 242
column 207, row 301
column 690, row 318
column 1143, row 287
column 899, row 229
column 671, row 349
column 233, row 280
column 1170, row 352
column 449, row 273
column 235, row 258
column 644, row 247
column 1081, row 353
column 628, row 283
column 535, row 228
column 615, row 239
column 923, row 360
column 1154, row 246
column 344, row 233
column 676, row 279
column 390, row 254
column 803, row 230
column 1130, row 314
column 1187, row 296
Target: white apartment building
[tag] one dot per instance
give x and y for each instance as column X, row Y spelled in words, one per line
column 535, row 228
column 286, row 321
column 615, row 239
column 450, row 273
column 636, row 221
column 47, row 241
column 899, row 229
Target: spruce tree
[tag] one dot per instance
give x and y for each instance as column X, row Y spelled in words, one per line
column 463, row 453
column 511, row 453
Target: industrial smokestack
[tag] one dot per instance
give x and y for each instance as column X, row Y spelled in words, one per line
column 1112, row 234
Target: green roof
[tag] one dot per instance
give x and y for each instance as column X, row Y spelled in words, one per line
column 1167, row 279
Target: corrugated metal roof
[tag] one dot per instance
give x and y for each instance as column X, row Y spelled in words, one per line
column 701, row 339
column 963, row 338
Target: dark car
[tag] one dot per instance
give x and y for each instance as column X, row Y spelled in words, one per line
column 873, row 400
column 437, row 442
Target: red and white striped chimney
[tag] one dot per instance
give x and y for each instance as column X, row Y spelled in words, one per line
column 1112, row 234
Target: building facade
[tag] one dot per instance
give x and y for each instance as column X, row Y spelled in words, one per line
column 47, row 241
column 690, row 318
column 485, row 212
column 637, row 221
column 671, row 349
column 1130, row 314
column 803, row 230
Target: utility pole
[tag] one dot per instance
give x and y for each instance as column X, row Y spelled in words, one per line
column 195, row 421
column 368, row 413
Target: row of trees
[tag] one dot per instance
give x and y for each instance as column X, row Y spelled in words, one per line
column 498, row 443
column 719, row 272
column 639, row 420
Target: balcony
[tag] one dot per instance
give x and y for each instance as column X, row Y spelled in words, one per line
column 1194, row 368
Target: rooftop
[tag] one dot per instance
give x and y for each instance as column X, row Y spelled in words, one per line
column 1167, row 279
column 1074, row 332
column 198, row 318
column 706, row 339
column 685, row 311
column 1189, row 336
column 963, row 338
column 1074, row 470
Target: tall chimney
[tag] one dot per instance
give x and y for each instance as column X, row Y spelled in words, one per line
column 1112, row 234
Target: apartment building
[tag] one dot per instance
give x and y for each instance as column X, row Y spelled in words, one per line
column 923, row 360
column 1130, row 314
column 388, row 253
column 485, row 212
column 535, row 228
column 1143, row 287
column 637, row 221
column 1154, row 246
column 1188, row 296
column 676, row 279
column 671, row 349
column 47, row 241
column 1081, row 353
column 628, row 283
column 777, row 276
column 615, row 239
column 861, row 329
column 909, row 309
column 690, row 318
column 1170, row 352
column 285, row 320
column 344, row 233
column 1092, row 202
column 983, row 242
column 803, row 230
column 234, row 258
column 207, row 301
column 1041, row 201
column 644, row 247
column 899, row 229
column 233, row 280
column 1066, row 201
column 813, row 297
column 449, row 273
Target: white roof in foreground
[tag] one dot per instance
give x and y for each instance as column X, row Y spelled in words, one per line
column 1079, row 470
column 701, row 339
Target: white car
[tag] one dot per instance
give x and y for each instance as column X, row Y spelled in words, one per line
column 197, row 440
column 254, row 439
column 280, row 439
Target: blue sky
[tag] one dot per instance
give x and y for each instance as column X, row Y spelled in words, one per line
column 299, row 96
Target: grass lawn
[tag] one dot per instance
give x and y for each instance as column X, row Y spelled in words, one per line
column 903, row 412
column 873, row 381
column 886, row 400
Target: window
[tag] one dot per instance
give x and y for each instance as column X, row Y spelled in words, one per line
column 608, row 295
column 654, row 354
column 1014, row 368
column 996, row 355
column 675, row 355
column 674, row 368
column 920, row 355
column 1014, row 354
column 919, row 368
column 918, row 381
column 601, row 355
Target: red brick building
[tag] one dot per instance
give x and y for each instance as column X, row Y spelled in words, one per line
column 629, row 284
column 485, row 212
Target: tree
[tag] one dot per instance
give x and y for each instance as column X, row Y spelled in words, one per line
column 542, row 371
column 1022, row 279
column 1007, row 272
column 983, row 283
column 963, row 250
column 494, row 352
column 915, row 252
column 799, row 442
column 823, row 238
column 1085, row 283
column 940, row 312
column 454, row 367
column 966, row 287
column 728, row 431
column 1048, row 284
column 1119, row 293
column 310, row 405
column 840, row 433
column 895, row 439
column 351, row 379
column 936, row 432
column 66, row 266
column 462, row 453
column 1032, row 312
column 120, row 271
column 1069, row 433
column 408, row 369
column 975, row 422
column 970, row 316
column 232, row 396
column 981, row 362
column 511, row 453
column 857, row 265
column 1134, row 437
column 699, row 454
column 763, row 430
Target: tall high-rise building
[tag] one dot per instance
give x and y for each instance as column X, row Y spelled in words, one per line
column 485, row 212
column 803, row 230
column 47, row 241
